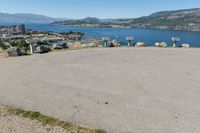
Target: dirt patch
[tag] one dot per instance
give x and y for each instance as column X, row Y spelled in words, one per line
column 3, row 53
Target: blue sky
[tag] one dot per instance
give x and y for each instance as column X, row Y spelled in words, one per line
column 94, row 8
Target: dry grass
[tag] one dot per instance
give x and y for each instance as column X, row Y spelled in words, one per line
column 47, row 120
column 76, row 45
column 3, row 53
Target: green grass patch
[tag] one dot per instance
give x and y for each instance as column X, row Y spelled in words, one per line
column 47, row 120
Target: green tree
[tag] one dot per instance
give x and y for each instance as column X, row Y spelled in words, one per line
column 22, row 44
column 3, row 46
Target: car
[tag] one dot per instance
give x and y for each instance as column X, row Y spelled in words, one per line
column 42, row 49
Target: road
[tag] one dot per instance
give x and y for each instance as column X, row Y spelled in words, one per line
column 121, row 90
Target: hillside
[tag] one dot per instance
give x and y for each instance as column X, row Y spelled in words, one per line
column 25, row 18
column 176, row 20
column 188, row 19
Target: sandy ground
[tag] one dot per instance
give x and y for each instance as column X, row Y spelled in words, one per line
column 122, row 90
column 3, row 54
column 15, row 124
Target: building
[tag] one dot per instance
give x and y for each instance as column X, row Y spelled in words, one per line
column 13, row 30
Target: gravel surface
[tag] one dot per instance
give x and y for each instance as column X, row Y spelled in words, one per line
column 15, row 124
column 122, row 90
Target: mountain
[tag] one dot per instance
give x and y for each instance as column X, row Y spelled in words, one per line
column 91, row 20
column 188, row 19
column 26, row 18
column 88, row 20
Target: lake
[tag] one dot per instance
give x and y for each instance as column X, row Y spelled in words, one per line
column 149, row 36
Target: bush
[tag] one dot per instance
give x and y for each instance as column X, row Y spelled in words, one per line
column 22, row 44
column 3, row 46
column 42, row 42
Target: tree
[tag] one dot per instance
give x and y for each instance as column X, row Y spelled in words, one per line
column 22, row 44
column 3, row 46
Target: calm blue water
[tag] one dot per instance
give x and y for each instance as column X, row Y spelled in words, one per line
column 149, row 36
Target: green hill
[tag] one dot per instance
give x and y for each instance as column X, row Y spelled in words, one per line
column 188, row 19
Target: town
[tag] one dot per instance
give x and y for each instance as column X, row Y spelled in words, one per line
column 18, row 41
column 115, row 66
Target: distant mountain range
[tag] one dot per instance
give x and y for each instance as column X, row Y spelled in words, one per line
column 188, row 19
column 26, row 18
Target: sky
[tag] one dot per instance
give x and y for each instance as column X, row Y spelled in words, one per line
column 94, row 8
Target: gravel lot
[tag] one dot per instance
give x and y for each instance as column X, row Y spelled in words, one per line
column 122, row 90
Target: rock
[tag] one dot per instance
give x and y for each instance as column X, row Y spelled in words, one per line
column 140, row 44
column 185, row 46
column 106, row 102
column 157, row 44
column 162, row 44
column 116, row 43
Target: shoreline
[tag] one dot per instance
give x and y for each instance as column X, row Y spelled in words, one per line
column 79, row 26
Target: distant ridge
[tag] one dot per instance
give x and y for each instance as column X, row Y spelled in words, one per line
column 186, row 11
column 185, row 19
column 26, row 18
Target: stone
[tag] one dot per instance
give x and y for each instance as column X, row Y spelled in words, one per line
column 161, row 44
column 116, row 43
column 157, row 44
column 185, row 46
column 140, row 44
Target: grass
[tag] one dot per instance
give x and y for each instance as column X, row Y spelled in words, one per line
column 47, row 120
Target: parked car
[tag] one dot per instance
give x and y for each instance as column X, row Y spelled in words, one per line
column 42, row 49
column 60, row 46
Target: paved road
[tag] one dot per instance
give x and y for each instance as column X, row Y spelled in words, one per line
column 136, row 90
